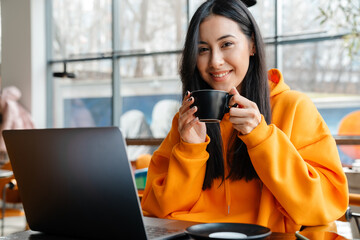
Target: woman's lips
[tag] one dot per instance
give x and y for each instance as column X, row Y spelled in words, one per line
column 220, row 76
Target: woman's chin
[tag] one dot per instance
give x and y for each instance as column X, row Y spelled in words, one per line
column 226, row 89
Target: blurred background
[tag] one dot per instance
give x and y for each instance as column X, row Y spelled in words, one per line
column 110, row 62
column 86, row 63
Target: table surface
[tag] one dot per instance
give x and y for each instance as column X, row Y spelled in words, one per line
column 5, row 173
column 313, row 235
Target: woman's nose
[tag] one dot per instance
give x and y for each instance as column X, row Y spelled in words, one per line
column 216, row 60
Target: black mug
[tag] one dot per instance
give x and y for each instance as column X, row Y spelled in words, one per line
column 211, row 104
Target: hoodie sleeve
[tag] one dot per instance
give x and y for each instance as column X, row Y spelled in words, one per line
column 296, row 158
column 175, row 175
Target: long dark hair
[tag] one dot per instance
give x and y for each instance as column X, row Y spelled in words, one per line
column 254, row 87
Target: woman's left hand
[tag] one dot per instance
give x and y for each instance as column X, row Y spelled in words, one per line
column 246, row 116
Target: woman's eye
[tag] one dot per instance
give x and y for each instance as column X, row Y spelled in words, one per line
column 203, row 49
column 227, row 44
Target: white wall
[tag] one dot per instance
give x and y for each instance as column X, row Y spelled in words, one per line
column 23, row 60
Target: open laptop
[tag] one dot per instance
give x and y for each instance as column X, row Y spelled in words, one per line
column 77, row 182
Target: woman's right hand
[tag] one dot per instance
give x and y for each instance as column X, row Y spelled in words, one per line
column 190, row 128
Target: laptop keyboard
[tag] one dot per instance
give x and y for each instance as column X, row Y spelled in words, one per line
column 155, row 231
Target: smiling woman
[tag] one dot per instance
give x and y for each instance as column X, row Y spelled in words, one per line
column 224, row 53
column 241, row 169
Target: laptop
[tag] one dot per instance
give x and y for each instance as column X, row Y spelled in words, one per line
column 77, row 182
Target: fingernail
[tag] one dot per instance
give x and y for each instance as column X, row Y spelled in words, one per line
column 187, row 93
column 190, row 99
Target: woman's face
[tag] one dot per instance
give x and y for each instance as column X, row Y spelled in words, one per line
column 224, row 53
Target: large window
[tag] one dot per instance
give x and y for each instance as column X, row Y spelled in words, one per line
column 81, row 27
column 122, row 53
column 125, row 54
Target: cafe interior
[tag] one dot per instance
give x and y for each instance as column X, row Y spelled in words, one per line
column 102, row 63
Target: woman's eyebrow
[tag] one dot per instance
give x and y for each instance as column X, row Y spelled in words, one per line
column 225, row 36
column 219, row 39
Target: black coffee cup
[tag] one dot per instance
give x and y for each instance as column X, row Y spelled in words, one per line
column 211, row 104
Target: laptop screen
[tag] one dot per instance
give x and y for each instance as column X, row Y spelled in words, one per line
column 75, row 181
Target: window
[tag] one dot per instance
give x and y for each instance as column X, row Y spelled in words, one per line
column 81, row 27
column 264, row 14
column 125, row 56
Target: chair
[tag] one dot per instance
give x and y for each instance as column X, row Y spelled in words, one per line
column 140, row 172
column 354, row 200
column 9, row 194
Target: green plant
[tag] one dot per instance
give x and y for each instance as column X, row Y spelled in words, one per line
column 344, row 15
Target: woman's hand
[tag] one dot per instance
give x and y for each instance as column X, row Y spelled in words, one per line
column 190, row 128
column 246, row 116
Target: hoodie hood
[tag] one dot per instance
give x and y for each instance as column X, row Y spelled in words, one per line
column 276, row 82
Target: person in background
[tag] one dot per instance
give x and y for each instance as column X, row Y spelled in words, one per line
column 271, row 160
column 162, row 115
column 12, row 116
column 80, row 115
column 133, row 125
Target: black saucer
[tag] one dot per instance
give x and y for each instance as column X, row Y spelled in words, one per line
column 245, row 231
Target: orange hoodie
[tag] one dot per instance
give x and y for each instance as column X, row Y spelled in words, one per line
column 301, row 178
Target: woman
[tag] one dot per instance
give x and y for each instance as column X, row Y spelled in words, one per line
column 271, row 161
